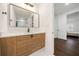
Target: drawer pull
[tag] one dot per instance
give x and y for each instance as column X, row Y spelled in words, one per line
column 31, row 36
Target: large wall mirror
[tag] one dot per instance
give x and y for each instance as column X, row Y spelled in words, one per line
column 20, row 17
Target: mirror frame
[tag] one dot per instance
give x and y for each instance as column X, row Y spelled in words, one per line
column 26, row 10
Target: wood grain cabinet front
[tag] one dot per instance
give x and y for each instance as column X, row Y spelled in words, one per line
column 22, row 45
column 38, row 41
column 8, row 46
column 0, row 47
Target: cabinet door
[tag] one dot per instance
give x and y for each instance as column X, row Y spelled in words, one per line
column 0, row 47
column 23, row 45
column 41, row 39
column 38, row 41
column 8, row 46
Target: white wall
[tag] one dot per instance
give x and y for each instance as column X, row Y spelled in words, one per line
column 73, row 22
column 0, row 18
column 5, row 19
column 62, row 21
column 46, row 12
column 55, row 26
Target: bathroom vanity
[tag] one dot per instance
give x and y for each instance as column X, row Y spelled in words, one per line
column 0, row 47
column 22, row 45
column 17, row 19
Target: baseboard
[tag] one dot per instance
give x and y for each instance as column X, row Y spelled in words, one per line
column 60, row 38
column 72, row 36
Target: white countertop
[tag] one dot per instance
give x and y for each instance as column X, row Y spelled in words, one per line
column 18, row 34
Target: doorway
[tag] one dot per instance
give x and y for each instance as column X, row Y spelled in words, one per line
column 66, row 29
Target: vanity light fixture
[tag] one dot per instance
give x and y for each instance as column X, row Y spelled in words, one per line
column 29, row 4
column 66, row 3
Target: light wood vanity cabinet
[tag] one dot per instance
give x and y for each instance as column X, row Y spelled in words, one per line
column 0, row 47
column 22, row 45
column 8, row 46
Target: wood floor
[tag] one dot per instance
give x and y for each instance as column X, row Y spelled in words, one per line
column 69, row 47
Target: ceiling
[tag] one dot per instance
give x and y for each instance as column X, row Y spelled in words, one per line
column 73, row 17
column 62, row 7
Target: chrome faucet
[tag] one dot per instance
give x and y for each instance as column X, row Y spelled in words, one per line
column 28, row 30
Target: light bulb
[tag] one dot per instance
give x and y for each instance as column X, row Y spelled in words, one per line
column 66, row 3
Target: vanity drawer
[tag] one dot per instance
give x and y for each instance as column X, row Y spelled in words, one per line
column 0, row 47
column 22, row 38
column 24, row 50
column 8, row 46
column 24, row 43
column 39, row 39
column 39, row 36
